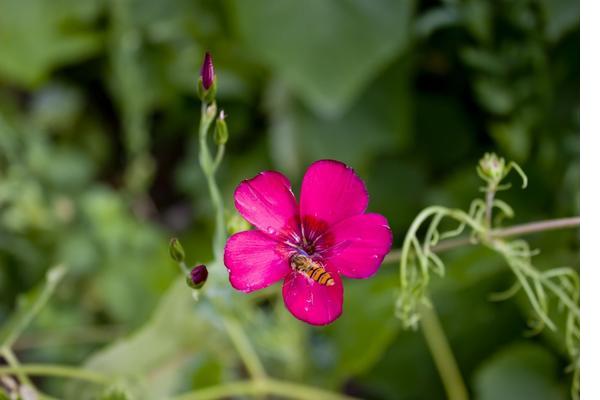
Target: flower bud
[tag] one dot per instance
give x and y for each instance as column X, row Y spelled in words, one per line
column 197, row 276
column 176, row 250
column 207, row 84
column 208, row 72
column 491, row 167
column 221, row 131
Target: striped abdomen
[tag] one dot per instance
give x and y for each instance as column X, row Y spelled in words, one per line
column 311, row 269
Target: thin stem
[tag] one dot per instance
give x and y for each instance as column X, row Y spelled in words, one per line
column 538, row 226
column 442, row 355
column 219, row 157
column 207, row 163
column 244, row 348
column 12, row 361
column 183, row 267
column 489, row 205
column 220, row 233
column 261, row 387
column 60, row 371
column 54, row 277
column 523, row 229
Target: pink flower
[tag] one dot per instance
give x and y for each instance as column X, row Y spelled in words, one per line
column 310, row 244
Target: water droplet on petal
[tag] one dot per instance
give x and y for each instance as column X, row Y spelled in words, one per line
column 270, row 230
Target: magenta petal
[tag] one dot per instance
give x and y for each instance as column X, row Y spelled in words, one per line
column 267, row 202
column 255, row 261
column 331, row 192
column 311, row 302
column 357, row 245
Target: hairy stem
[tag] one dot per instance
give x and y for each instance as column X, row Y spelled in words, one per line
column 442, row 355
column 261, row 387
column 523, row 229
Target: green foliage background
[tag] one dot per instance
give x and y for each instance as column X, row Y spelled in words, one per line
column 98, row 168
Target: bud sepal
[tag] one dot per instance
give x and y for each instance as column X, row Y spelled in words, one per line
column 176, row 250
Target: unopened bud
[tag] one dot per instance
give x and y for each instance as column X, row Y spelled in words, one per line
column 207, row 84
column 491, row 167
column 197, row 276
column 221, row 131
column 208, row 72
column 176, row 250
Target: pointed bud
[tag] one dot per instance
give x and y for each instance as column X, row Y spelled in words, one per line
column 207, row 84
column 197, row 276
column 208, row 72
column 221, row 131
column 176, row 250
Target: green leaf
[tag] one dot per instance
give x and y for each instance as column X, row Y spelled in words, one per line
column 520, row 371
column 326, row 50
column 152, row 358
column 560, row 17
column 38, row 35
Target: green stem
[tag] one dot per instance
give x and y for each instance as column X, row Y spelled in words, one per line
column 208, row 165
column 244, row 348
column 220, row 235
column 490, row 193
column 261, row 387
column 219, row 156
column 54, row 277
column 442, row 355
column 60, row 371
column 13, row 362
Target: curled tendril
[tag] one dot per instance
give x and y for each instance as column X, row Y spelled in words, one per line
column 418, row 261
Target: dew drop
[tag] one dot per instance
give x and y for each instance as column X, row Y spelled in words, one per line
column 270, row 230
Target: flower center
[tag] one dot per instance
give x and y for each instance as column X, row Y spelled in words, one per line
column 310, row 268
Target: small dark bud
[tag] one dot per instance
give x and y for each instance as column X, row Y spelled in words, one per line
column 176, row 250
column 197, row 276
column 221, row 131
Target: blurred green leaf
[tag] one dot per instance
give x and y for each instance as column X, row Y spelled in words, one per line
column 38, row 35
column 560, row 17
column 133, row 261
column 520, row 371
column 151, row 359
column 380, row 121
column 326, row 50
